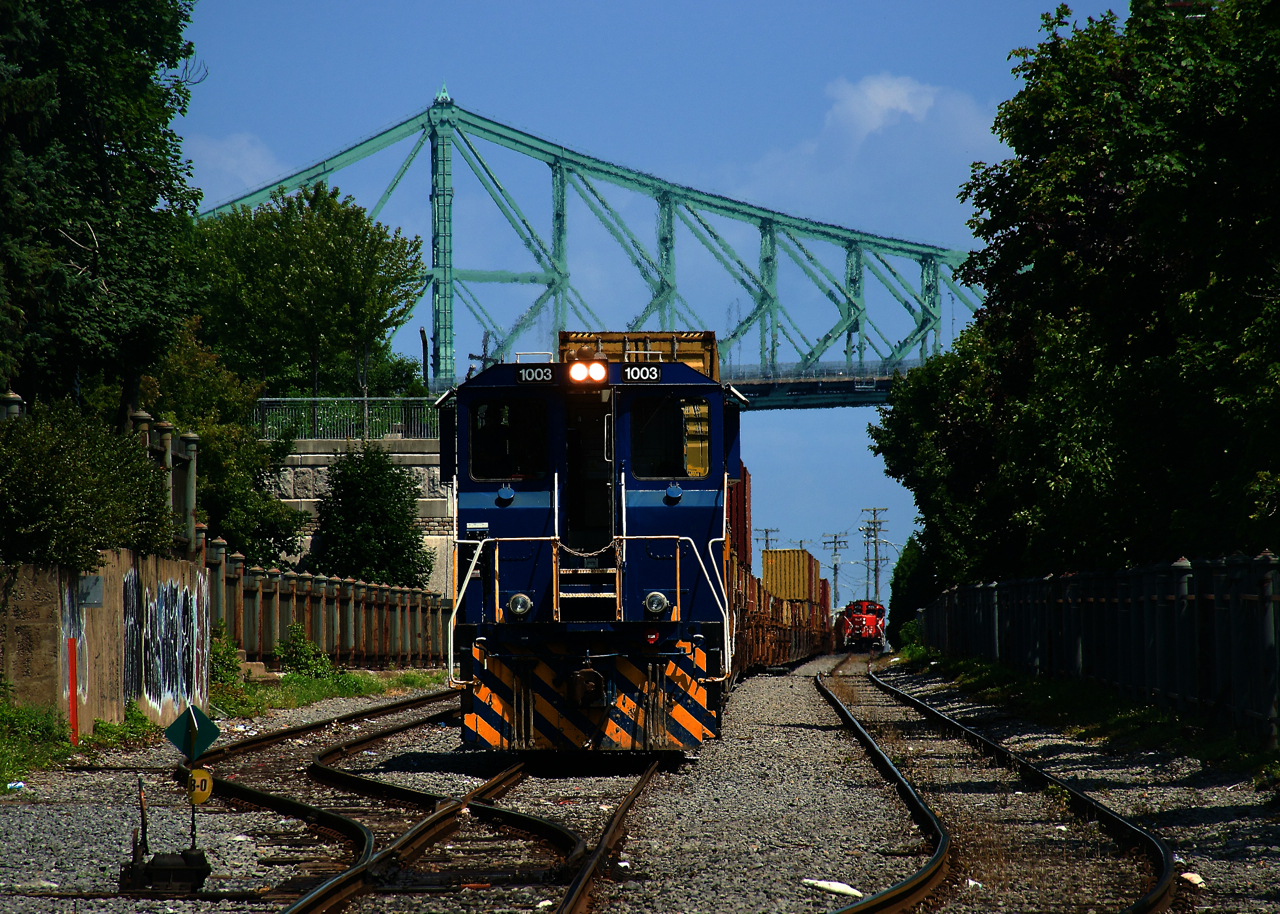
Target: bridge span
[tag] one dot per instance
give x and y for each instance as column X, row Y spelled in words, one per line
column 842, row 351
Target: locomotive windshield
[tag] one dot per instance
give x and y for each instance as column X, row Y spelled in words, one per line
column 670, row 437
column 509, row 439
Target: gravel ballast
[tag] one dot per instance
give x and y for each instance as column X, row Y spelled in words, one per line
column 786, row 795
column 1220, row 828
column 70, row 831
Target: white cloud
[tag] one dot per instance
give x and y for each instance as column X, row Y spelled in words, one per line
column 240, row 161
column 888, row 157
column 876, row 101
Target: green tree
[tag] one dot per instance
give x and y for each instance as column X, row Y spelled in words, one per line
column 93, row 191
column 71, row 487
column 912, row 585
column 367, row 525
column 1114, row 403
column 305, row 281
column 237, row 471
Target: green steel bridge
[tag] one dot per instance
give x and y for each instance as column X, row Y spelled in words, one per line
column 861, row 358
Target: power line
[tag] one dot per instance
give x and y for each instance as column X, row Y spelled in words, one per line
column 762, row 533
column 835, row 542
column 871, row 541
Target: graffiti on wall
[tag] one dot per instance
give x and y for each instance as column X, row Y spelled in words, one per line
column 166, row 642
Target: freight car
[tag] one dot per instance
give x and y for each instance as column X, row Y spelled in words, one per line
column 860, row 627
column 603, row 596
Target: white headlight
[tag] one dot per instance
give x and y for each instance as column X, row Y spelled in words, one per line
column 597, row 370
column 656, row 603
column 578, row 371
column 519, row 606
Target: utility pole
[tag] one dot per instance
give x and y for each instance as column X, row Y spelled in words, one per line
column 762, row 533
column 871, row 530
column 835, row 542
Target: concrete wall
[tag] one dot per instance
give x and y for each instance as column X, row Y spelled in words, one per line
column 304, row 481
column 146, row 639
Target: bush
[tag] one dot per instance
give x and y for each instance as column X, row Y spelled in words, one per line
column 224, row 658
column 367, row 526
column 137, row 730
column 302, row 656
column 71, row 487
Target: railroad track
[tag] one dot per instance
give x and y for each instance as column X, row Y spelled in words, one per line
column 1002, row 834
column 370, row 837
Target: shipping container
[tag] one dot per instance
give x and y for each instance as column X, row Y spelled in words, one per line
column 791, row 574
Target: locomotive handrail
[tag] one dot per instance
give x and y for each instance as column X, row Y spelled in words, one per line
column 479, row 544
column 726, row 667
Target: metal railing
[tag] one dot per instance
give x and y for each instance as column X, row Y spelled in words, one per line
column 339, row 418
column 830, row 370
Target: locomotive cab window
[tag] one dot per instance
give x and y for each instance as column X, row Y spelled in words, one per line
column 509, row 439
column 670, row 437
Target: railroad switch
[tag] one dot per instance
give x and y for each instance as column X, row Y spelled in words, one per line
column 180, row 873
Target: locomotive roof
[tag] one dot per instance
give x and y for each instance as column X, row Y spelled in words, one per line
column 505, row 375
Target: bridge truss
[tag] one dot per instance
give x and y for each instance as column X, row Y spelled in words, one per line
column 868, row 352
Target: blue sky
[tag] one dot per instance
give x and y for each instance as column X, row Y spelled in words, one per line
column 859, row 113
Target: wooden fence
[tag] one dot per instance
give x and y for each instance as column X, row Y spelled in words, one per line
column 1200, row 638
column 356, row 623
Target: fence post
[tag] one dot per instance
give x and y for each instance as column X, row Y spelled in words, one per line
column 319, row 596
column 1156, row 637
column 348, row 646
column 1184, row 635
column 360, row 599
column 253, row 612
column 1222, row 645
column 216, row 568
column 271, row 615
column 1241, row 636
column 1268, row 699
column 235, row 608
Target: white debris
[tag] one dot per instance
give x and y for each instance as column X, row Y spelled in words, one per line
column 835, row 888
column 1178, row 859
column 16, row 785
column 1060, row 827
column 896, row 660
column 545, row 903
column 624, row 864
column 241, row 838
column 974, row 884
column 1193, row 879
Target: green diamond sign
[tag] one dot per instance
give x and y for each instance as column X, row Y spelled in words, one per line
column 192, row 732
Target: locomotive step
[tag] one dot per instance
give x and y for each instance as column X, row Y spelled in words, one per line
column 581, row 596
column 588, row 571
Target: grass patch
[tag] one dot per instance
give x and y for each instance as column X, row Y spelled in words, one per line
column 30, row 738
column 295, row 690
column 136, row 731
column 1098, row 714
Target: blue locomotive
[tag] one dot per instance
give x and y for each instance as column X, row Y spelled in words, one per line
column 591, row 554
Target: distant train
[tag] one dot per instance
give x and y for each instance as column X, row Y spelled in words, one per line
column 860, row 627
column 603, row 593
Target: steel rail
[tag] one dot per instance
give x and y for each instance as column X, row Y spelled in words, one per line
column 1159, row 896
column 262, row 740
column 578, row 894
column 910, row 891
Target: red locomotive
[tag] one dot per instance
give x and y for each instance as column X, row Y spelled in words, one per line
column 860, row 627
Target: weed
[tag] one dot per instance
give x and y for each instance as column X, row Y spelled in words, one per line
column 30, row 738
column 301, row 656
column 137, row 730
column 224, row 658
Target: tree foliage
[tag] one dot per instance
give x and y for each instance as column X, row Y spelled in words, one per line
column 304, row 291
column 71, row 487
column 236, row 471
column 367, row 525
column 92, row 190
column 1115, row 401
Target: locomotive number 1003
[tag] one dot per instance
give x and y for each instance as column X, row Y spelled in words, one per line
column 649, row 374
column 534, row 374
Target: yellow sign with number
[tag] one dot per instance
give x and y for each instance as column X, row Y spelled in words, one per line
column 199, row 785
